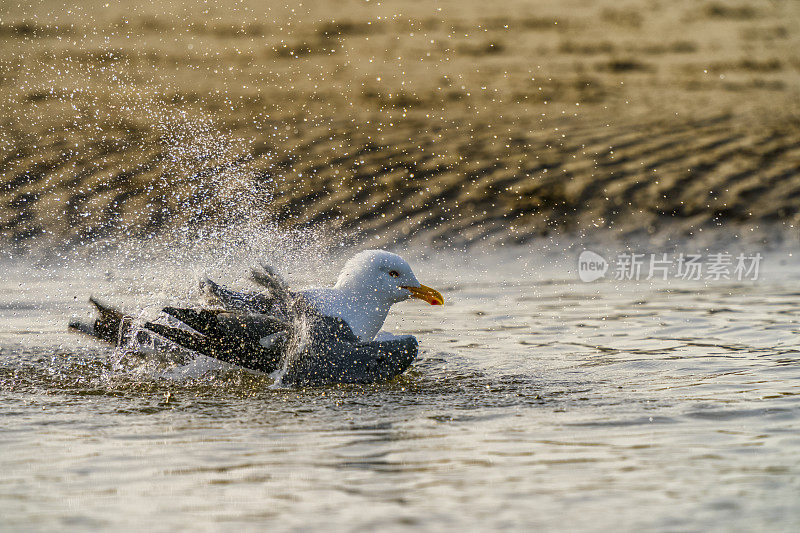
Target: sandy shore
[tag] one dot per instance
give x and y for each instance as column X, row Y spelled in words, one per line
column 446, row 122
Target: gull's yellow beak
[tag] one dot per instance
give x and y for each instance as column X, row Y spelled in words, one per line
column 432, row 296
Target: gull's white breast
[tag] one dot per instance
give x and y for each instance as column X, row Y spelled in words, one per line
column 363, row 314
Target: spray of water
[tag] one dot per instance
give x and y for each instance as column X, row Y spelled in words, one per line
column 224, row 223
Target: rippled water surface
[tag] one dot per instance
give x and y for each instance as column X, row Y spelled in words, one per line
column 537, row 401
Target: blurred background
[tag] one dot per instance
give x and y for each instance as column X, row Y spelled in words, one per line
column 396, row 121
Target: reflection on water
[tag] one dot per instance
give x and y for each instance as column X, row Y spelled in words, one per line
column 537, row 401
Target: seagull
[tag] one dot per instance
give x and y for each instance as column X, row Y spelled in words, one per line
column 315, row 336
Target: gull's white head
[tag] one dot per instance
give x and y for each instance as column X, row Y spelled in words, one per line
column 370, row 282
column 384, row 278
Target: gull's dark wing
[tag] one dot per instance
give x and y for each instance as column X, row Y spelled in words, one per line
column 106, row 327
column 256, row 342
column 251, row 302
column 268, row 278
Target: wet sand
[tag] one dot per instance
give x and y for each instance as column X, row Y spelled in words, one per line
column 445, row 123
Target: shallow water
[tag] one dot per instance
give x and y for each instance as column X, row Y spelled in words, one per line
column 537, row 401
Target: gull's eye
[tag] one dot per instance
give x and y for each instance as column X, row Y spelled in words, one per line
column 394, row 273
